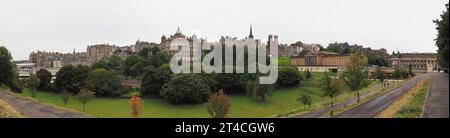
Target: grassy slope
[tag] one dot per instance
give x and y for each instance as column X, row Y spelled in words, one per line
column 414, row 108
column 7, row 111
column 242, row 106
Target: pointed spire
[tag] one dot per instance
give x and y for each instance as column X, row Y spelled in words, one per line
column 178, row 31
column 73, row 50
column 251, row 32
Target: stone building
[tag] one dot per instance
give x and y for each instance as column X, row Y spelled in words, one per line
column 100, row 51
column 44, row 59
column 296, row 50
column 321, row 62
column 167, row 41
column 419, row 62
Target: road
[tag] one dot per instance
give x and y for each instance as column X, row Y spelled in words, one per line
column 321, row 112
column 436, row 105
column 33, row 109
column 374, row 106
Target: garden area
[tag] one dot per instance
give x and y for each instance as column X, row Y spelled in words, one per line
column 242, row 106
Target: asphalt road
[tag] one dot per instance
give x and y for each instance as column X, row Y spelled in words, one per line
column 321, row 112
column 371, row 108
column 33, row 109
column 436, row 105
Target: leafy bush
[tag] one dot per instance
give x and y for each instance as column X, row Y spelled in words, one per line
column 186, row 89
column 218, row 105
column 104, row 82
column 288, row 76
column 72, row 78
column 154, row 79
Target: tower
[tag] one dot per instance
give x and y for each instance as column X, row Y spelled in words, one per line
column 251, row 32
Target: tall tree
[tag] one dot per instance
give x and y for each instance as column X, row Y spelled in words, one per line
column 101, row 64
column 72, row 78
column 46, row 77
column 104, row 82
column 442, row 40
column 116, row 63
column 332, row 87
column 134, row 65
column 154, row 79
column 85, row 96
column 380, row 75
column 305, row 99
column 6, row 66
column 355, row 74
column 34, row 83
column 260, row 91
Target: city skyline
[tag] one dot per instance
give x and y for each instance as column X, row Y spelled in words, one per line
column 68, row 25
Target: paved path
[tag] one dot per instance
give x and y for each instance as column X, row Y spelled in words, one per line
column 371, row 108
column 437, row 100
column 33, row 109
column 318, row 113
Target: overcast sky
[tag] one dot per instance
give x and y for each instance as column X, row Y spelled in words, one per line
column 62, row 25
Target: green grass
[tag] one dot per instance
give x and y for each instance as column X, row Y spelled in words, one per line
column 242, row 106
column 283, row 61
column 415, row 107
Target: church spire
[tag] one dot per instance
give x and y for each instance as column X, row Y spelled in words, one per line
column 178, row 31
column 251, row 32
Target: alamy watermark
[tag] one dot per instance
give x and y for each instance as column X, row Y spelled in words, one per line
column 260, row 57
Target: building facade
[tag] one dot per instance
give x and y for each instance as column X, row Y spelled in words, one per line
column 321, row 62
column 419, row 62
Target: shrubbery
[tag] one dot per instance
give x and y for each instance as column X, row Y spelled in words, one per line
column 288, row 76
column 154, row 79
column 186, row 89
column 104, row 82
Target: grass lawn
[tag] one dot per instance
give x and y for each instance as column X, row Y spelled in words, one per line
column 242, row 106
column 283, row 61
column 414, row 108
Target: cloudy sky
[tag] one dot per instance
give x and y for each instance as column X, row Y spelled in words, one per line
column 62, row 25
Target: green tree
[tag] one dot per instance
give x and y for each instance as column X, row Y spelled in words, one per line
column 6, row 66
column 355, row 74
column 380, row 74
column 46, row 77
column 218, row 105
column 305, row 99
column 116, row 63
column 186, row 89
column 442, row 40
column 101, row 64
column 134, row 65
column 260, row 91
column 33, row 84
column 159, row 58
column 231, row 82
column 332, row 88
column 65, row 97
column 288, row 76
column 154, row 79
column 104, row 82
column 72, row 78
column 85, row 96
